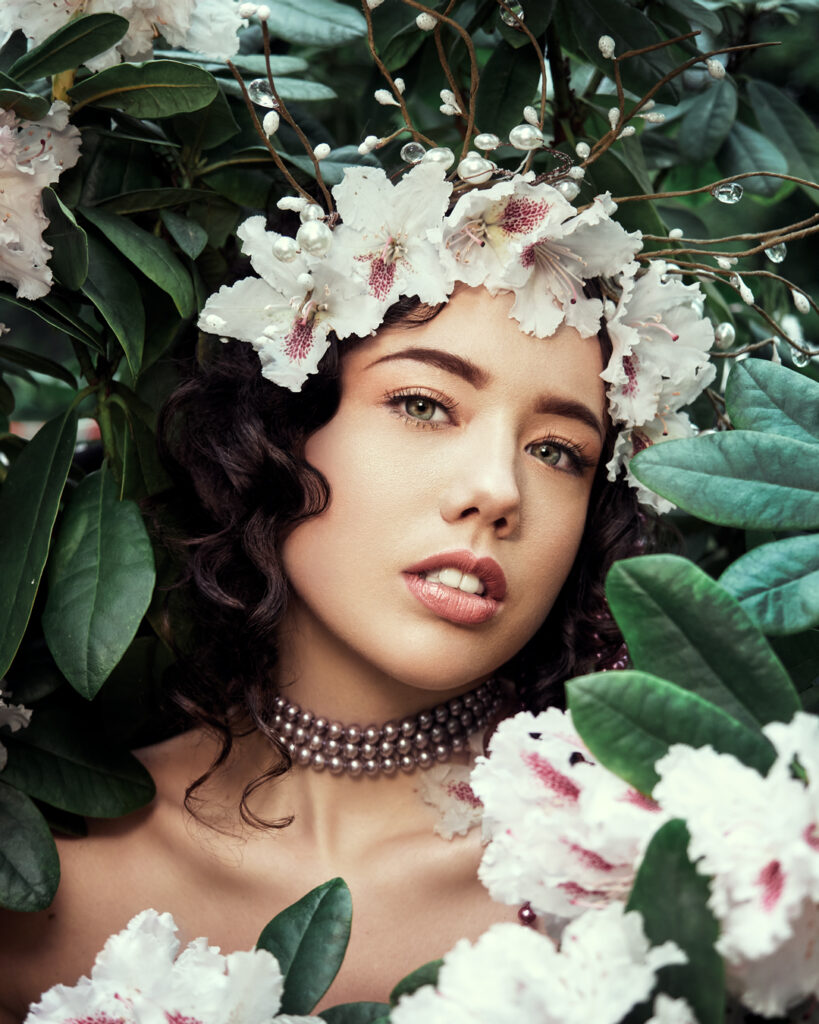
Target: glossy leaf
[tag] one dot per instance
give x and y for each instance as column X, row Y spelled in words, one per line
column 69, row 260
column 332, row 167
column 254, row 63
column 207, row 128
column 763, row 396
column 309, row 939
column 316, row 22
column 71, row 45
column 190, row 236
column 112, row 289
column 29, row 865
column 507, row 84
column 29, row 106
column 672, row 898
column 57, row 315
column 425, row 975
column 789, row 128
column 156, row 88
column 59, row 760
column 746, row 149
column 141, row 199
column 628, row 720
column 140, row 472
column 778, row 584
column 355, row 1013
column 738, row 478
column 29, row 500
column 37, row 363
column 682, row 626
column 708, row 122
column 100, row 583
column 152, row 255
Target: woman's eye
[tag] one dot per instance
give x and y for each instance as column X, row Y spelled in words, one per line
column 423, row 409
column 549, row 453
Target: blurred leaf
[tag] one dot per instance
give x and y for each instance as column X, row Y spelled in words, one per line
column 40, row 364
column 12, row 49
column 207, row 128
column 538, row 16
column 303, row 91
column 763, row 396
column 6, row 398
column 693, row 11
column 188, row 235
column 26, row 105
column 59, row 760
column 252, row 62
column 143, row 199
column 682, row 626
column 332, row 167
column 746, row 149
column 309, row 939
column 156, row 88
column 738, row 478
column 707, row 124
column 612, row 172
column 112, row 289
column 152, row 255
column 800, row 655
column 71, row 45
column 29, row 501
column 101, row 579
column 778, row 584
column 425, row 975
column 69, row 260
column 355, row 1013
column 672, row 897
column 789, row 128
column 629, row 719
column 316, row 22
column 29, row 865
column 508, row 83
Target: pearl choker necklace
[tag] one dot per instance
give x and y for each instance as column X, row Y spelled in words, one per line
column 418, row 741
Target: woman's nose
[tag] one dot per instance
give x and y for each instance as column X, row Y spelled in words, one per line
column 484, row 486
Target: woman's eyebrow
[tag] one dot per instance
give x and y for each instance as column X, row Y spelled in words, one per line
column 554, row 405
column 463, row 368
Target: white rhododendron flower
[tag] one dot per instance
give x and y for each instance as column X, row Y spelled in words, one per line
column 12, row 716
column 604, row 966
column 139, row 979
column 660, row 344
column 390, row 234
column 673, row 426
column 33, row 154
column 566, row 833
column 671, row 1011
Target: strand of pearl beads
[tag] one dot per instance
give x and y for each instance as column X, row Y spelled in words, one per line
column 418, row 741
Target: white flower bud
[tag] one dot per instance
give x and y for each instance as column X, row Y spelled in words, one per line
column 385, row 98
column 448, row 108
column 582, row 149
column 655, row 118
column 531, row 115
column 800, row 301
column 270, row 124
column 400, row 85
column 716, row 69
column 368, row 145
column 627, row 131
column 322, row 151
column 578, row 173
column 725, row 262
column 614, row 116
column 295, row 203
column 675, row 233
column 263, row 12
column 372, row 4
column 649, row 104
column 606, row 46
column 745, row 292
column 247, row 10
column 426, row 22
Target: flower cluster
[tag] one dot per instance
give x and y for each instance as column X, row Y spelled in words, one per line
column 518, row 236
column 138, row 979
column 33, row 154
column 12, row 716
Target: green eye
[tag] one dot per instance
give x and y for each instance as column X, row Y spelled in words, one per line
column 548, row 453
column 420, row 408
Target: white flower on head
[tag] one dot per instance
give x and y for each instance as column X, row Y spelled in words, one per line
column 672, row 426
column 659, row 360
column 566, row 834
column 33, row 154
column 12, row 716
column 671, row 1011
column 390, row 234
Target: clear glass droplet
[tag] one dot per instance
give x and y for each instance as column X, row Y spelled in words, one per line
column 260, row 93
column 412, row 152
column 777, row 253
column 800, row 359
column 724, row 335
column 729, row 192
column 508, row 14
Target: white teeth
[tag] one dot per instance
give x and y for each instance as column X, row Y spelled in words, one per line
column 456, row 579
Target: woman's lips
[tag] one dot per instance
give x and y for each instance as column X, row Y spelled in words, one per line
column 450, row 603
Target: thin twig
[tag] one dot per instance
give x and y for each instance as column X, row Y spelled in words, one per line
column 715, row 184
column 747, row 237
column 442, row 58
column 523, row 27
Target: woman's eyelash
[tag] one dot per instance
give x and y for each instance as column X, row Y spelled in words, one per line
column 575, row 452
column 395, row 399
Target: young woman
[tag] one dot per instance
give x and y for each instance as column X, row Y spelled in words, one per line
column 430, row 513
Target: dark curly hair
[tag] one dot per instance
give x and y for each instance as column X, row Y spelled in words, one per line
column 233, row 444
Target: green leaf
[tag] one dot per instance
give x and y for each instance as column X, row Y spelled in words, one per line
column 763, row 396
column 672, row 898
column 40, row 364
column 425, row 975
column 615, row 172
column 207, row 128
column 508, row 83
column 254, row 63
column 12, row 49
column 778, row 584
column 71, row 45
column 188, row 235
column 29, row 865
column 739, row 478
column 157, row 88
column 59, row 760
column 6, row 399
column 142, row 199
column 682, row 626
column 69, row 260
column 26, row 105
column 789, row 128
column 538, row 16
column 309, row 940
column 316, row 22
column 746, row 149
column 332, row 167
column 707, row 124
column 141, row 472
column 355, row 1013
column 57, row 315
column 112, row 289
column 629, row 719
column 29, row 501
column 152, row 255
column 100, row 583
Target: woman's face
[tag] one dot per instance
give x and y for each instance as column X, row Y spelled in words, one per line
column 461, row 446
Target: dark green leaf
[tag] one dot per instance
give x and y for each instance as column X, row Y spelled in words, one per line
column 629, row 719
column 100, row 583
column 69, row 260
column 778, row 584
column 706, row 125
column 789, row 128
column 57, row 315
column 152, row 255
column 188, row 235
column 763, row 396
column 29, row 501
column 157, row 88
column 112, row 289
column 799, row 653
column 58, row 760
column 682, row 626
column 316, row 22
column 614, row 172
column 508, row 84
column 746, row 149
column 71, row 45
column 141, row 472
column 142, row 199
column 26, row 105
column 425, row 975
column 537, row 18
column 696, row 13
column 672, row 898
column 29, row 865
column 6, row 398
column 207, row 128
column 12, row 49
column 303, row 91
column 739, row 478
column 355, row 1013
column 309, row 939
column 40, row 364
